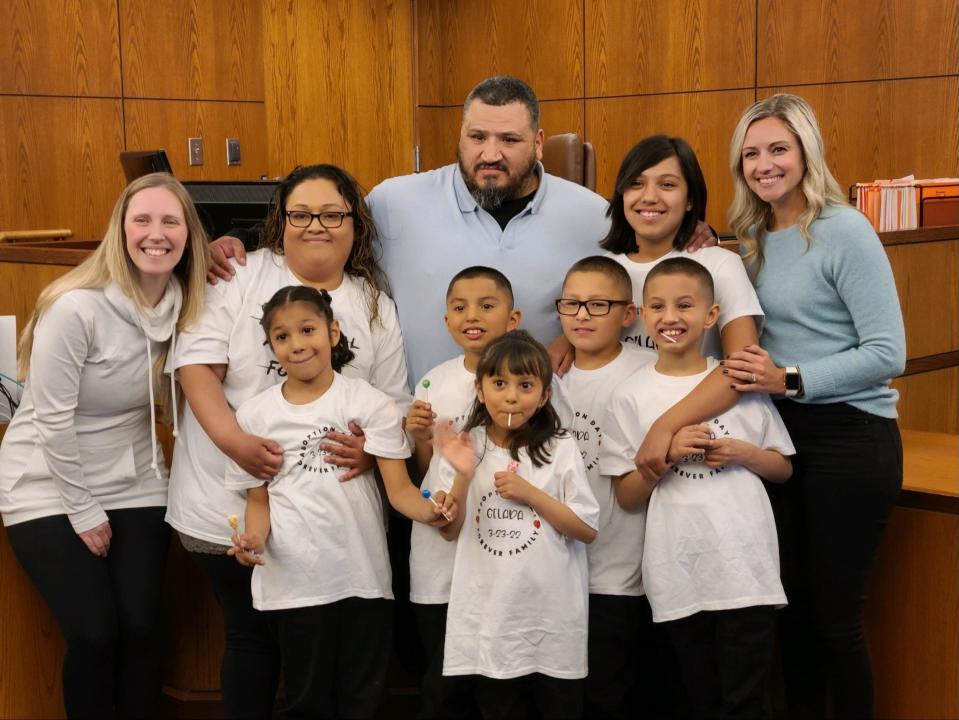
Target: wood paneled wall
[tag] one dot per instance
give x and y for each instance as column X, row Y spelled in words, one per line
column 339, row 85
column 82, row 80
column 883, row 77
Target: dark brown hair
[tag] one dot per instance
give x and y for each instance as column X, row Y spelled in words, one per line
column 320, row 300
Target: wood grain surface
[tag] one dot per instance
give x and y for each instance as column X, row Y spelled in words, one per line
column 461, row 43
column 648, row 46
column 929, row 401
column 59, row 163
column 339, row 86
column 706, row 120
column 192, row 49
column 912, row 616
column 67, row 47
column 167, row 124
column 926, row 279
column 837, row 40
column 886, row 129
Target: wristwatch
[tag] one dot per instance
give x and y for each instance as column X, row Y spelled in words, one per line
column 793, row 382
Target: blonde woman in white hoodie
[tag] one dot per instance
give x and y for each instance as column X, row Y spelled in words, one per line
column 83, row 484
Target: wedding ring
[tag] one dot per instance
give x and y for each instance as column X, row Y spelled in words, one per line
column 754, row 379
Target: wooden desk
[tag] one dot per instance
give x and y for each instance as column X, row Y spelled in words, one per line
column 912, row 614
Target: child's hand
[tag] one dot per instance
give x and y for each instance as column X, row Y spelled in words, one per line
column 419, row 421
column 247, row 549
column 447, row 504
column 456, row 447
column 690, row 444
column 728, row 451
column 511, row 486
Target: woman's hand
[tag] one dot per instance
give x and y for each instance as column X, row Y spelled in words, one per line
column 97, row 539
column 702, row 237
column 511, row 486
column 419, row 421
column 561, row 354
column 752, row 370
column 456, row 447
column 260, row 457
column 221, row 250
column 690, row 444
column 247, row 549
column 347, row 450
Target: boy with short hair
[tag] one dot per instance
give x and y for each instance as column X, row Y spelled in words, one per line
column 596, row 305
column 479, row 309
column 710, row 557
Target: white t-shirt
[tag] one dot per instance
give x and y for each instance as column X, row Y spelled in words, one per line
column 228, row 332
column 734, row 294
column 451, row 393
column 710, row 533
column 327, row 539
column 519, row 596
column 615, row 556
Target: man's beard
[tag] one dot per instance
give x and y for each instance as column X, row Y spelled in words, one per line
column 490, row 196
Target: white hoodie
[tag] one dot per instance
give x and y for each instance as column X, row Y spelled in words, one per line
column 83, row 439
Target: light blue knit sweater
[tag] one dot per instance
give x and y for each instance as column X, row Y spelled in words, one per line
column 833, row 311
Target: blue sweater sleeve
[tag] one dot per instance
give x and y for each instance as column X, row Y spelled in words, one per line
column 863, row 280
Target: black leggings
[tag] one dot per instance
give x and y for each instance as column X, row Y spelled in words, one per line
column 251, row 654
column 106, row 608
column 830, row 515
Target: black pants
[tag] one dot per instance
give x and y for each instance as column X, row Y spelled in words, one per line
column 724, row 657
column 529, row 696
column 830, row 516
column 335, row 657
column 250, row 670
column 106, row 608
column 441, row 698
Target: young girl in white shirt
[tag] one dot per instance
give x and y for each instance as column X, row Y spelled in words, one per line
column 319, row 544
column 517, row 611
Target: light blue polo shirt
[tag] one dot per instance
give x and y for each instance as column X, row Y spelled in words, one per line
column 431, row 228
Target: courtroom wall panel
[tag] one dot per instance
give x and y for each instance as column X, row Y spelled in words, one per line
column 838, row 40
column 168, row 123
column 339, row 86
column 886, row 129
column 196, row 49
column 926, row 279
column 439, row 128
column 929, row 401
column 69, row 47
column 706, row 120
column 673, row 46
column 59, row 163
column 460, row 43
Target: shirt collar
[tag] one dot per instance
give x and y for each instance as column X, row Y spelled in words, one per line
column 467, row 203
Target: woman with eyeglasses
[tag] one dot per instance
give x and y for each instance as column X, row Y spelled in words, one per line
column 320, row 234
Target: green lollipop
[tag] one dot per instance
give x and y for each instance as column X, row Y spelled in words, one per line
column 426, row 386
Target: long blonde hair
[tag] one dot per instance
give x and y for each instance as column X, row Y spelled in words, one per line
column 748, row 215
column 110, row 262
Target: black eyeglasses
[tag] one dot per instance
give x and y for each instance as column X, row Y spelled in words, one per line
column 329, row 219
column 568, row 306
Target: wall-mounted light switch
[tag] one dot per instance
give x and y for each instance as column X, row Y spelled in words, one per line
column 195, row 150
column 232, row 151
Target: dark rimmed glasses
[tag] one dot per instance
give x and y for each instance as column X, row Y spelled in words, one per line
column 329, row 219
column 595, row 307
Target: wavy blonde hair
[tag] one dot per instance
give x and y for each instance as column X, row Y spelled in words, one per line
column 110, row 262
column 748, row 215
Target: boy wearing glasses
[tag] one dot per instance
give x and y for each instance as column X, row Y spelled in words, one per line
column 596, row 306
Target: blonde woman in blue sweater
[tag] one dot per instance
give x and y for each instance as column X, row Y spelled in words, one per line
column 833, row 339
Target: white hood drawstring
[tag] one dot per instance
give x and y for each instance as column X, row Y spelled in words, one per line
column 158, row 324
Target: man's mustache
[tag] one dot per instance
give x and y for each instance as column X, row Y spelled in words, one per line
column 491, row 166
